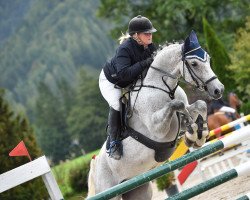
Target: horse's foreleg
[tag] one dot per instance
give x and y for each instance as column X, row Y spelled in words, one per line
column 198, row 112
column 161, row 120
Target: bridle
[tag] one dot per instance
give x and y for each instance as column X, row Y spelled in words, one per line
column 169, row 91
column 194, row 76
column 203, row 85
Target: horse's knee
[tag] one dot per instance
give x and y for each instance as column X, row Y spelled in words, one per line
column 177, row 105
column 201, row 106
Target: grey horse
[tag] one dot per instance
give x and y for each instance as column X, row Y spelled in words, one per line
column 155, row 115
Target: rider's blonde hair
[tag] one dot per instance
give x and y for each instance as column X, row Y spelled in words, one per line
column 126, row 36
column 123, row 38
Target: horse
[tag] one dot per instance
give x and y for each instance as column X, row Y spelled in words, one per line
column 220, row 117
column 160, row 111
column 234, row 103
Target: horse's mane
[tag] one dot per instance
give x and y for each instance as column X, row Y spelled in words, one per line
column 166, row 44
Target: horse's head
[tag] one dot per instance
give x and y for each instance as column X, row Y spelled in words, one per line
column 234, row 100
column 197, row 70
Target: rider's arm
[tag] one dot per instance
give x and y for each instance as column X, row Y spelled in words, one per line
column 126, row 71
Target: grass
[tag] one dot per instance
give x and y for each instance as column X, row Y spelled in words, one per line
column 61, row 173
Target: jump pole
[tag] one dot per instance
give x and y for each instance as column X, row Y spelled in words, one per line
column 172, row 165
column 242, row 170
column 229, row 125
column 182, row 148
column 245, row 197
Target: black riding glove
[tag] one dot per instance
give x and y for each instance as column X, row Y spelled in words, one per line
column 146, row 63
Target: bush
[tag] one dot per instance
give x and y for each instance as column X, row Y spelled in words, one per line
column 165, row 181
column 245, row 108
column 78, row 177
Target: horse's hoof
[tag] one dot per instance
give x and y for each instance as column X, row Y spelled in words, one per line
column 116, row 151
column 116, row 156
column 196, row 146
column 188, row 143
column 191, row 136
column 199, row 143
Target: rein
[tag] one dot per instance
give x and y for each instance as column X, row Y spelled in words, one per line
column 195, row 77
column 193, row 74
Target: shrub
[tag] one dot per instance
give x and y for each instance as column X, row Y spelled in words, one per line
column 78, row 177
column 165, row 181
column 245, row 108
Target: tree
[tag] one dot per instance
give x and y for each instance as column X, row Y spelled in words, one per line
column 240, row 61
column 48, row 41
column 219, row 57
column 13, row 129
column 52, row 130
column 88, row 117
column 174, row 19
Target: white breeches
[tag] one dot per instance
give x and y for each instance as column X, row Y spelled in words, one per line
column 109, row 92
column 227, row 109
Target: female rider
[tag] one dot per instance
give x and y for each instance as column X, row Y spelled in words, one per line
column 132, row 57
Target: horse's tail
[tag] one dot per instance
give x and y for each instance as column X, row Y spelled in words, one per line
column 91, row 183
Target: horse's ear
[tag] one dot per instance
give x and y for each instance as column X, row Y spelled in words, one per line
column 193, row 37
column 191, row 42
column 186, row 45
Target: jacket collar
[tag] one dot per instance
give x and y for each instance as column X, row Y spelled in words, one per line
column 138, row 46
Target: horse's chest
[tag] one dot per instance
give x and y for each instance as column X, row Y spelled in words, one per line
column 137, row 156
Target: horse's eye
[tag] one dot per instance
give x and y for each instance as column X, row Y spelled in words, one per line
column 194, row 64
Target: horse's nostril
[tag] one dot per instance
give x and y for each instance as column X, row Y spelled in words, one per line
column 216, row 91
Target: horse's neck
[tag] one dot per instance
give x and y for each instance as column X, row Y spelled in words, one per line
column 232, row 102
column 169, row 61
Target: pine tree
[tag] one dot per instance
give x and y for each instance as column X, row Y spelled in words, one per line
column 13, row 129
column 88, row 117
column 219, row 57
column 53, row 135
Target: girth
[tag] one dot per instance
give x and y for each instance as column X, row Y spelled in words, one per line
column 163, row 150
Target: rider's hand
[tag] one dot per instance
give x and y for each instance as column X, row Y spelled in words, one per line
column 147, row 62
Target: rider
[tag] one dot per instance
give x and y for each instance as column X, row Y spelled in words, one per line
column 132, row 57
column 219, row 105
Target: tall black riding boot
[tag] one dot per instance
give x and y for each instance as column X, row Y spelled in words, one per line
column 114, row 144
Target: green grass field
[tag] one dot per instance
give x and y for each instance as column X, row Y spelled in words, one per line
column 61, row 173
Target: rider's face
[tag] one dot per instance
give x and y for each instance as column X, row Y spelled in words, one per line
column 146, row 38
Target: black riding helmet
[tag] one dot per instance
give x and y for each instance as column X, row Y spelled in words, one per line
column 140, row 24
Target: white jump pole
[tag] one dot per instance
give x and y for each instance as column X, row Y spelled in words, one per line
column 241, row 170
column 29, row 171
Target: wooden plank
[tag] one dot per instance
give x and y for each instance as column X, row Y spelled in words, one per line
column 186, row 171
column 180, row 151
column 52, row 187
column 24, row 173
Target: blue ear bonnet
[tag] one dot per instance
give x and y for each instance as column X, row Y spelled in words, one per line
column 192, row 48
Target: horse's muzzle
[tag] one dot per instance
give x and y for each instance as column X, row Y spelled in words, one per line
column 218, row 92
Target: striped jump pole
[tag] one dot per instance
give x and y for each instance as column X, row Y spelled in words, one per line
column 172, row 165
column 229, row 125
column 242, row 170
column 182, row 148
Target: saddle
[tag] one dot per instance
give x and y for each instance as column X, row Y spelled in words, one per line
column 163, row 150
column 229, row 115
